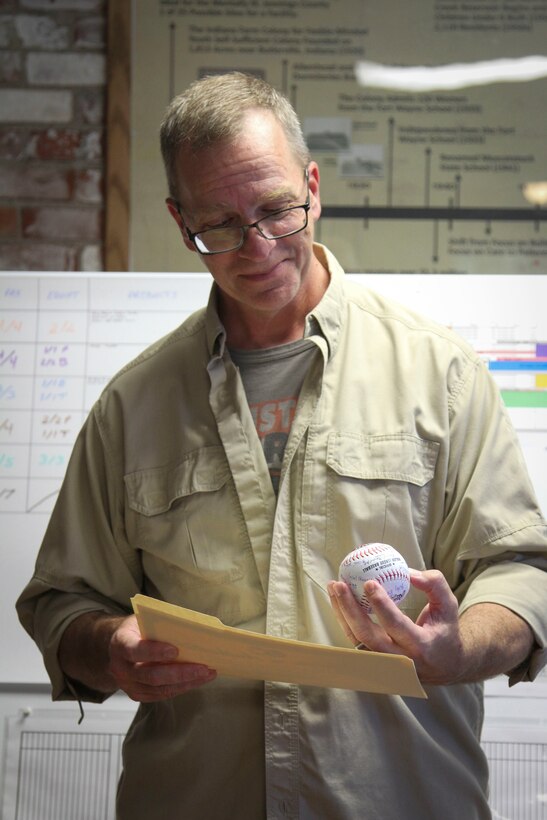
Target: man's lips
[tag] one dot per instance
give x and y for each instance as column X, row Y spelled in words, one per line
column 258, row 276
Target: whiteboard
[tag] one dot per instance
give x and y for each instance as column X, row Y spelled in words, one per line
column 62, row 336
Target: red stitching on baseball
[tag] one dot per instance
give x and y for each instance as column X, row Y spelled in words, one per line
column 366, row 552
column 392, row 575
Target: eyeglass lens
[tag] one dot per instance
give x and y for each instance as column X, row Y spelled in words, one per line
column 274, row 226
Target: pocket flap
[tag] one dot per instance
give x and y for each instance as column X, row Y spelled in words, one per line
column 153, row 491
column 395, row 457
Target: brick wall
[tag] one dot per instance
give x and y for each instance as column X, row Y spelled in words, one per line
column 52, row 110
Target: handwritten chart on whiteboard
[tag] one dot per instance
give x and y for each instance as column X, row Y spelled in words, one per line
column 63, row 336
column 62, row 340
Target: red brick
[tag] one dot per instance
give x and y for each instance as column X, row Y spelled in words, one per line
column 67, row 144
column 35, row 105
column 54, row 144
column 91, row 147
column 51, row 144
column 39, row 31
column 9, row 223
column 78, row 223
column 64, row 5
column 51, row 136
column 90, row 33
column 12, row 143
column 36, row 256
column 88, row 186
column 7, row 31
column 11, row 67
column 91, row 258
column 66, row 68
column 27, row 181
column 90, row 105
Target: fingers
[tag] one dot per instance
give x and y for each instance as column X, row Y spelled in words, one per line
column 143, row 651
column 358, row 627
column 433, row 641
column 148, row 670
column 441, row 600
column 342, row 601
column 392, row 630
column 148, row 683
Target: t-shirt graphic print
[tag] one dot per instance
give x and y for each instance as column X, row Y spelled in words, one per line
column 272, row 379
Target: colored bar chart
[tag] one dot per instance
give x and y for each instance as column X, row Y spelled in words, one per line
column 524, row 398
column 528, row 369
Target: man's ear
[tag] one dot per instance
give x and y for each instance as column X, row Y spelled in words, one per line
column 313, row 182
column 174, row 211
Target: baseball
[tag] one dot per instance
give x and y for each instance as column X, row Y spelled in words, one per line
column 375, row 562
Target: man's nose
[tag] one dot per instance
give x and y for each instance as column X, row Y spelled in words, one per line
column 255, row 246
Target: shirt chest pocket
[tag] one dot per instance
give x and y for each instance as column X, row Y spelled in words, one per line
column 186, row 520
column 378, row 488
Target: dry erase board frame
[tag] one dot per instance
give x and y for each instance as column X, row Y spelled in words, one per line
column 63, row 335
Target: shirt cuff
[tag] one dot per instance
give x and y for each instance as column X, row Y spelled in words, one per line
column 522, row 589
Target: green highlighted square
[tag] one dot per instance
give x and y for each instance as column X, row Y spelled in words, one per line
column 524, row 398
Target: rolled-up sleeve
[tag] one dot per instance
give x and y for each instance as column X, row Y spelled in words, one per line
column 85, row 563
column 492, row 544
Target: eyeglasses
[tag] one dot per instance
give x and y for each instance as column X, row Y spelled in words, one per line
column 285, row 222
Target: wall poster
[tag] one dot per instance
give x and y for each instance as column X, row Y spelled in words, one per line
column 411, row 182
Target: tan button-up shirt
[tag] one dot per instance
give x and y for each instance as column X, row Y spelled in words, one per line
column 399, row 436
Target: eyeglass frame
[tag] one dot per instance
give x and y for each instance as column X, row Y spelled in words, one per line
column 245, row 228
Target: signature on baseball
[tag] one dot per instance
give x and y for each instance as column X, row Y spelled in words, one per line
column 375, row 562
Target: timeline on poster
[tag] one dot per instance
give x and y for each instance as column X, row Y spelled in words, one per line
column 410, row 182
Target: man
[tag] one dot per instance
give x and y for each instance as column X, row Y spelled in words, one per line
column 386, row 427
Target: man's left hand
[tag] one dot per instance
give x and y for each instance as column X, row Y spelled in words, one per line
column 446, row 648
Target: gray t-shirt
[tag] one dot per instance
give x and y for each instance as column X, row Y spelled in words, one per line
column 272, row 378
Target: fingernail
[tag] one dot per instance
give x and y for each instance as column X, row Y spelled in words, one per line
column 333, row 589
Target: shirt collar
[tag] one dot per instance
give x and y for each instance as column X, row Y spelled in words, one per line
column 327, row 315
column 216, row 334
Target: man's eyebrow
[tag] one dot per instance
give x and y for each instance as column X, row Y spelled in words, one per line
column 207, row 212
column 279, row 193
column 270, row 196
column 223, row 208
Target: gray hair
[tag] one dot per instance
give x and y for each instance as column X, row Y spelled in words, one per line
column 210, row 110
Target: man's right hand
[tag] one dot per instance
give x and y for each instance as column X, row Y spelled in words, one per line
column 148, row 670
column 106, row 653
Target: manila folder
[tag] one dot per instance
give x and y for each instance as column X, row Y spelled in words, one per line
column 238, row 653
